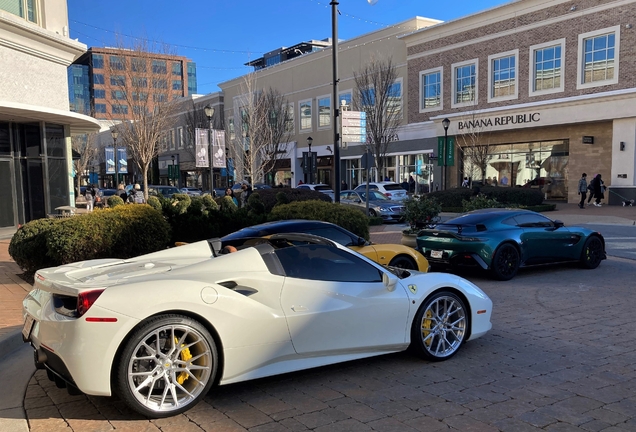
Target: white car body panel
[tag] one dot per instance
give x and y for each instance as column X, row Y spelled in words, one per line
column 268, row 324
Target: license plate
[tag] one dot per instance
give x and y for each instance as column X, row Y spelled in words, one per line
column 28, row 326
column 436, row 254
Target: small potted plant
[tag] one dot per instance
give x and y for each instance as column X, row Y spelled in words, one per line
column 419, row 212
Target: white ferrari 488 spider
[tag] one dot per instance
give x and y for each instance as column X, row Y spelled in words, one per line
column 160, row 329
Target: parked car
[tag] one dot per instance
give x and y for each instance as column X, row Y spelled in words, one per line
column 273, row 306
column 395, row 255
column 191, row 191
column 320, row 187
column 503, row 240
column 261, row 186
column 393, row 191
column 379, row 204
column 165, row 191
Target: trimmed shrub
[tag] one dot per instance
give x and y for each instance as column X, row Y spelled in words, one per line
column 255, row 204
column 209, row 202
column 348, row 218
column 155, row 203
column 227, row 204
column 275, row 196
column 480, row 202
column 508, row 196
column 421, row 211
column 28, row 245
column 114, row 201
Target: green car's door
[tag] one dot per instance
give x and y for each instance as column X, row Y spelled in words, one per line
column 542, row 240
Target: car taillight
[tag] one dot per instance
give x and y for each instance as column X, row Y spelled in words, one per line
column 86, row 299
column 387, row 194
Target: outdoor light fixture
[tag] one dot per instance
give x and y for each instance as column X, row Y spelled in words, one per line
column 310, row 159
column 115, row 134
column 209, row 112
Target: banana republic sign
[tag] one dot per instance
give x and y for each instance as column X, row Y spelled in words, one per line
column 499, row 121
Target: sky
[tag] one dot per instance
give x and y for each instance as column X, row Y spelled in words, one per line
column 221, row 36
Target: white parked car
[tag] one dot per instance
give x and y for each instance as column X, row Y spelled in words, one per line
column 190, row 191
column 278, row 304
column 392, row 190
column 320, row 187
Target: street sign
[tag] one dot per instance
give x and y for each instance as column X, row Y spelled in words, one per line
column 367, row 161
column 354, row 126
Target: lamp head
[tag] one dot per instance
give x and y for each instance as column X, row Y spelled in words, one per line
column 309, row 140
column 209, row 111
column 446, row 123
column 114, row 133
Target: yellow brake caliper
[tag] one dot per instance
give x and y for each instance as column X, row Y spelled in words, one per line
column 426, row 327
column 185, row 356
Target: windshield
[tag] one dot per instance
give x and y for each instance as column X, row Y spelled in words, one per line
column 322, row 188
column 373, row 196
column 393, row 187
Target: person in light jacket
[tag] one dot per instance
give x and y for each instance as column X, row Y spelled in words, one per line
column 582, row 190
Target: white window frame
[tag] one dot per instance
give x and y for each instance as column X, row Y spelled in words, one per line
column 454, row 66
column 180, row 137
column 328, row 125
column 171, row 139
column 300, row 116
column 290, row 107
column 424, row 73
column 581, row 57
column 400, row 80
column 491, row 82
column 532, row 70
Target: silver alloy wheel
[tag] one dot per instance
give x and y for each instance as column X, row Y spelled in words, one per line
column 170, row 367
column 443, row 326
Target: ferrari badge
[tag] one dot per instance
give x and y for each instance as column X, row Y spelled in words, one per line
column 413, row 288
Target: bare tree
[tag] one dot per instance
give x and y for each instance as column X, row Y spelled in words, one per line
column 262, row 131
column 140, row 102
column 85, row 150
column 380, row 98
column 475, row 146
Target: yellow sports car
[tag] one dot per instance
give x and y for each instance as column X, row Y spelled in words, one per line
column 395, row 255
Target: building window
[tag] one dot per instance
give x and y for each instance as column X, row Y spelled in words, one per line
column 160, row 83
column 367, row 97
column 139, row 110
column 345, row 97
column 99, row 94
column 118, row 95
column 140, row 82
column 394, row 99
column 23, row 8
column 289, row 126
column 100, row 108
column 324, row 111
column 305, row 115
column 138, row 65
column 598, row 58
column 177, row 85
column 117, row 63
column 98, row 79
column 98, row 61
column 192, row 78
column 465, row 78
column 177, row 69
column 180, row 137
column 140, row 96
column 431, row 89
column 120, row 109
column 171, row 139
column 118, row 80
column 502, row 77
column 230, row 127
column 546, row 64
column 160, row 97
column 159, row 67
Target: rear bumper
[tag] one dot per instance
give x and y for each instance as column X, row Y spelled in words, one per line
column 452, row 258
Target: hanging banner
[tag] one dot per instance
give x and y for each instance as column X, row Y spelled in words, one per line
column 218, row 148
column 446, row 158
column 201, row 147
column 109, row 154
column 122, row 160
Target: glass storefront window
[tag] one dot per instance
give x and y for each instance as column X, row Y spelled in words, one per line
column 417, row 171
column 538, row 165
column 5, row 139
column 55, row 142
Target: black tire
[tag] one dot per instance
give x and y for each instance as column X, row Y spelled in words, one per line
column 403, row 261
column 372, row 213
column 189, row 372
column 592, row 254
column 440, row 327
column 506, row 262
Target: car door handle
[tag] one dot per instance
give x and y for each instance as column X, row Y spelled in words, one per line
column 299, row 308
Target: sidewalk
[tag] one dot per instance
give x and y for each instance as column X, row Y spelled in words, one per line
column 16, row 366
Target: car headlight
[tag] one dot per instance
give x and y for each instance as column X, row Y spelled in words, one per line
column 385, row 209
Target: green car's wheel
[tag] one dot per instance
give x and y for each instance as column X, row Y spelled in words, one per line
column 592, row 252
column 167, row 365
column 506, row 262
column 403, row 262
column 439, row 328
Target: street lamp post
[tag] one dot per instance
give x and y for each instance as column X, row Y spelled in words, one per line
column 209, row 112
column 310, row 160
column 336, row 110
column 172, row 171
column 115, row 134
column 445, row 123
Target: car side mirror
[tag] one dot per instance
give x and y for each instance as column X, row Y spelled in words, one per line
column 389, row 281
column 361, row 241
column 358, row 201
column 558, row 223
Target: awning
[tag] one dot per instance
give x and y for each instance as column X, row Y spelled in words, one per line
column 24, row 113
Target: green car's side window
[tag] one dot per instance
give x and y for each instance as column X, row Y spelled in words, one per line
column 533, row 221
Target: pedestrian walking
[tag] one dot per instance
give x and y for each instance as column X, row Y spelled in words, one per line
column 138, row 195
column 599, row 190
column 582, row 190
column 90, row 198
column 230, row 193
column 121, row 192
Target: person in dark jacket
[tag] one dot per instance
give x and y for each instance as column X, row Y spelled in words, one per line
column 599, row 190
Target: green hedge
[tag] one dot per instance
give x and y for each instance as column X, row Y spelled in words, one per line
column 275, row 196
column 348, row 218
column 118, row 232
column 520, row 197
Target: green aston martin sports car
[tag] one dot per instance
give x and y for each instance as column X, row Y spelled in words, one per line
column 503, row 240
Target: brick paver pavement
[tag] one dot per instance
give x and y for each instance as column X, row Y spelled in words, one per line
column 12, row 291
